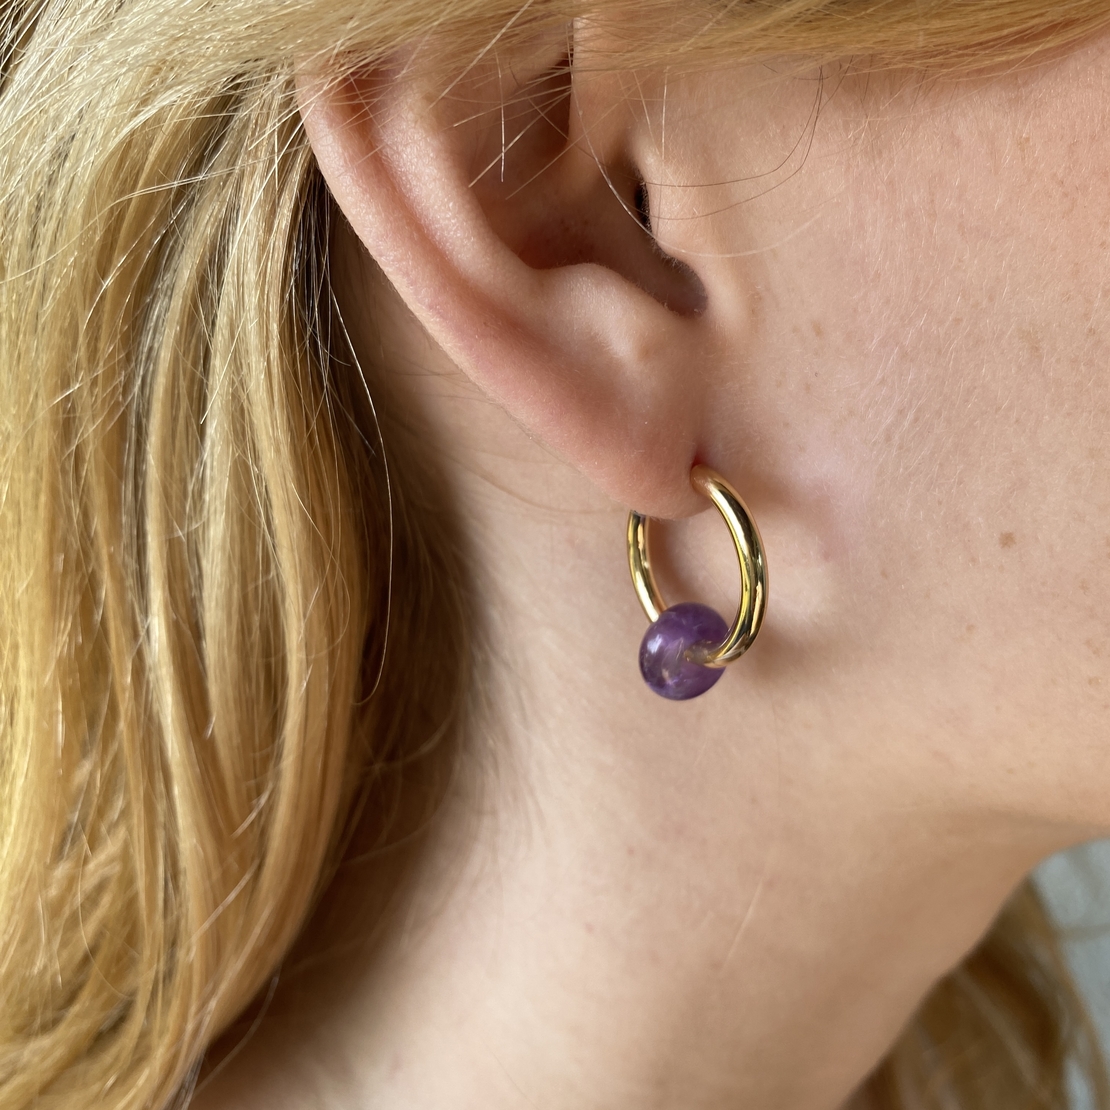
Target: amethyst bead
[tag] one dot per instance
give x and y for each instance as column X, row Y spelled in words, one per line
column 663, row 661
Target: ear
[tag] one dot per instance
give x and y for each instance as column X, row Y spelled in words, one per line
column 508, row 210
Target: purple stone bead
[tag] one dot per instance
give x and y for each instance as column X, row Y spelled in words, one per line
column 663, row 661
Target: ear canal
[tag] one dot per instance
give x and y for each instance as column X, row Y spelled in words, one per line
column 643, row 206
column 684, row 292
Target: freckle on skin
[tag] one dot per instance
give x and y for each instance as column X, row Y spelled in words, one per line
column 1032, row 340
column 1007, row 539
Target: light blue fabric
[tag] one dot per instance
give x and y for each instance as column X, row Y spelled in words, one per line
column 1076, row 888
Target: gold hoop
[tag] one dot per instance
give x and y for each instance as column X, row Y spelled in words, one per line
column 749, row 551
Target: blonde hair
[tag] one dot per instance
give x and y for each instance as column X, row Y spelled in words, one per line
column 202, row 559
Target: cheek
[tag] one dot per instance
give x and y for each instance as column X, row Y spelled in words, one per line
column 911, row 297
column 926, row 371
column 965, row 408
column 914, row 353
column 981, row 343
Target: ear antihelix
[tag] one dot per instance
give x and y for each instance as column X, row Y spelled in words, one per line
column 557, row 191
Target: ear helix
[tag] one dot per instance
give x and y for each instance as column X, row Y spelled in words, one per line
column 687, row 646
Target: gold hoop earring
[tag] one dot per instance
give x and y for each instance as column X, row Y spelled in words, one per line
column 687, row 646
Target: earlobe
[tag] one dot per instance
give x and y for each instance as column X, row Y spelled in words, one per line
column 505, row 217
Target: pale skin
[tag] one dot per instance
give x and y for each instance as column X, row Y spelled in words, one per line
column 900, row 361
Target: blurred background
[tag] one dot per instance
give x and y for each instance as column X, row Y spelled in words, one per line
column 1076, row 885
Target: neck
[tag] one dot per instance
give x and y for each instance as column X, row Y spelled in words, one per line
column 628, row 902
column 656, row 909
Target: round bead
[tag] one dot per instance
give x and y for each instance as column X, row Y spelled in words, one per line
column 663, row 661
